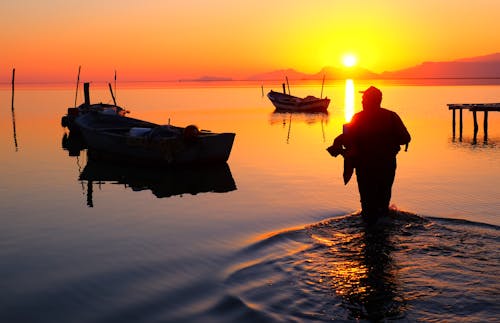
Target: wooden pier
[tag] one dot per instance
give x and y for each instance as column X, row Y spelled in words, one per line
column 474, row 108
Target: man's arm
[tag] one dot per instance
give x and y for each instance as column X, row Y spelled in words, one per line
column 402, row 135
column 337, row 147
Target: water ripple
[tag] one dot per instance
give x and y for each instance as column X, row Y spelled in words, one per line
column 406, row 268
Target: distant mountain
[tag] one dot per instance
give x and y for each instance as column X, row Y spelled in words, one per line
column 329, row 72
column 358, row 73
column 485, row 58
column 207, row 79
column 475, row 67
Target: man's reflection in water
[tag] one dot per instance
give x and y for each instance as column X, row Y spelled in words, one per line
column 360, row 269
column 377, row 298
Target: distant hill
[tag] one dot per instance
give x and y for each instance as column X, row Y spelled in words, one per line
column 341, row 73
column 280, row 75
column 475, row 67
column 486, row 58
column 329, row 72
column 207, row 78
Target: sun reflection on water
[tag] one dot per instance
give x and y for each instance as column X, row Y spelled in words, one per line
column 357, row 266
column 344, row 275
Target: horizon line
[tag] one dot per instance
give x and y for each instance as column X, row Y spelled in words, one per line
column 400, row 81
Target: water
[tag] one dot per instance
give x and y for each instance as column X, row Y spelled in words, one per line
column 409, row 269
column 276, row 240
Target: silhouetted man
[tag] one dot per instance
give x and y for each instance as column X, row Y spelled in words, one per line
column 369, row 144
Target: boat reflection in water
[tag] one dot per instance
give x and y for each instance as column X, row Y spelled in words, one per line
column 284, row 118
column 73, row 142
column 163, row 182
column 307, row 117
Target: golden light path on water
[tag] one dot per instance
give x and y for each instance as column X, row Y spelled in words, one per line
column 349, row 100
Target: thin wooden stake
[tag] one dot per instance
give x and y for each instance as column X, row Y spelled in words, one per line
column 12, row 108
column 322, row 85
column 115, row 89
column 77, row 82
column 13, row 81
column 112, row 95
column 289, row 129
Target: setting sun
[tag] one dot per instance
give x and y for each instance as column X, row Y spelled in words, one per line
column 349, row 60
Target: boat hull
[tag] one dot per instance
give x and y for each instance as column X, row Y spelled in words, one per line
column 286, row 102
column 110, row 135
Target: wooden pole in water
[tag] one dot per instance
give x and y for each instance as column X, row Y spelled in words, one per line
column 322, row 85
column 474, row 115
column 115, row 90
column 289, row 129
column 12, row 108
column 112, row 95
column 453, row 122
column 13, row 81
column 461, row 125
column 77, row 82
column 485, row 125
column 476, row 127
column 86, row 93
column 288, row 85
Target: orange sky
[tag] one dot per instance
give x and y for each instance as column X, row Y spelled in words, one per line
column 164, row 40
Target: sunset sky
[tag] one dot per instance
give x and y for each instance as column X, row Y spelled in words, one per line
column 165, row 40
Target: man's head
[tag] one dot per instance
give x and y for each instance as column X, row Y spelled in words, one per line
column 372, row 97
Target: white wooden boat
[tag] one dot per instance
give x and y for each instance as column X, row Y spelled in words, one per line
column 287, row 102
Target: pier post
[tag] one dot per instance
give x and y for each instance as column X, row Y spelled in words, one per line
column 485, row 126
column 453, row 123
column 474, row 115
column 461, row 125
column 476, row 127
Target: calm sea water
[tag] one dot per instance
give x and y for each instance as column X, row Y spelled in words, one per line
column 272, row 236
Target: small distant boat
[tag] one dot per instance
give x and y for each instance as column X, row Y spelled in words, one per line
column 287, row 102
column 141, row 142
